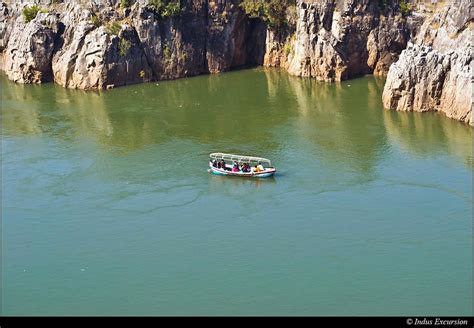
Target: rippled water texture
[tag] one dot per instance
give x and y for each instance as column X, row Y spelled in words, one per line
column 108, row 208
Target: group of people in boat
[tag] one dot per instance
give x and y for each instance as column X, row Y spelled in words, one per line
column 238, row 167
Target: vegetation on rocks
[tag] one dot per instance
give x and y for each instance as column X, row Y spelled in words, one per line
column 273, row 12
column 29, row 13
column 167, row 51
column 114, row 28
column 405, row 8
column 96, row 21
column 123, row 46
column 125, row 3
column 166, row 8
column 288, row 49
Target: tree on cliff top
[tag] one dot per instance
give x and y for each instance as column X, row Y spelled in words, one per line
column 272, row 12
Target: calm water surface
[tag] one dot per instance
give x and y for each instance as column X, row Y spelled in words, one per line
column 108, row 208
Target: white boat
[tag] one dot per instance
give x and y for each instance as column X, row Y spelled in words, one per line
column 230, row 159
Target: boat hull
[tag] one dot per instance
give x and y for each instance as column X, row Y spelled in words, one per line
column 264, row 174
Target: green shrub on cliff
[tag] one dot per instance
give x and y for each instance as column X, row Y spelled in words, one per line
column 125, row 3
column 166, row 8
column 123, row 46
column 96, row 21
column 167, row 51
column 114, row 28
column 405, row 8
column 273, row 12
column 29, row 13
column 288, row 49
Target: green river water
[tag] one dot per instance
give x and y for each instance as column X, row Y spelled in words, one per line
column 108, row 208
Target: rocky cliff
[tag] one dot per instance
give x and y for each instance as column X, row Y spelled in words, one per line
column 337, row 40
column 99, row 44
column 102, row 44
column 435, row 71
column 93, row 44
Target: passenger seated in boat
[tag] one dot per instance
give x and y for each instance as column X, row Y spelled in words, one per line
column 246, row 167
column 223, row 165
column 235, row 168
column 214, row 163
column 260, row 167
column 256, row 169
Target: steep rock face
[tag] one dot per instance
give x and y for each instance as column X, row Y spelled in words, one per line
column 223, row 49
column 100, row 45
column 435, row 73
column 339, row 39
column 174, row 47
column 424, row 79
column 79, row 63
column 90, row 57
column 386, row 42
column 4, row 24
column 275, row 53
column 30, row 49
column 233, row 40
column 327, row 39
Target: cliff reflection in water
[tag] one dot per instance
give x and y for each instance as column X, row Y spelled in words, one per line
column 426, row 135
column 225, row 109
column 259, row 111
column 343, row 121
column 47, row 109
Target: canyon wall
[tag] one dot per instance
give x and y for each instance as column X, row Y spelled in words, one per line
column 93, row 44
column 337, row 40
column 99, row 44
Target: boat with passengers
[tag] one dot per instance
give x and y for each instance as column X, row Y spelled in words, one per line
column 240, row 165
